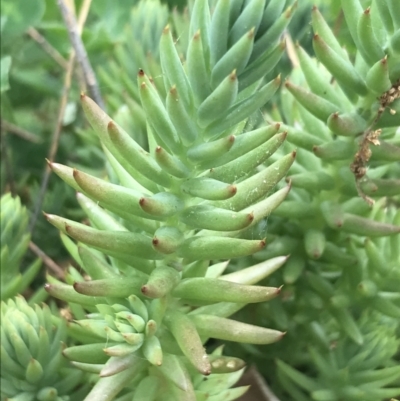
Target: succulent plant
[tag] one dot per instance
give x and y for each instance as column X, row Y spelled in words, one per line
column 32, row 365
column 348, row 371
column 139, row 50
column 340, row 222
column 14, row 245
column 154, row 299
column 174, row 240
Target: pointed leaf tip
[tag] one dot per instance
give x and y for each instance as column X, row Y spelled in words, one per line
column 232, row 189
column 145, row 290
column 111, row 127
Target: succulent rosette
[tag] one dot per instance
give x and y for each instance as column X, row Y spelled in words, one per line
column 14, row 244
column 32, row 365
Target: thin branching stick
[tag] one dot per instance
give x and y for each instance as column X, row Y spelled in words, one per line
column 81, row 53
column 47, row 47
column 21, row 132
column 47, row 260
column 61, row 111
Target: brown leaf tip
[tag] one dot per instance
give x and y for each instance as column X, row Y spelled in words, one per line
column 251, row 33
column 232, row 189
column 141, row 73
column 111, row 126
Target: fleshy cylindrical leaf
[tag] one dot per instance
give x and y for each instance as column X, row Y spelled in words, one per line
column 189, row 341
column 200, row 248
column 161, row 281
column 215, row 290
column 231, row 330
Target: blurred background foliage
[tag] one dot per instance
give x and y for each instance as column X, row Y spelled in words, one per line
column 120, row 37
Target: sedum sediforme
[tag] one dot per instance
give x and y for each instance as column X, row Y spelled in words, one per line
column 354, row 304
column 153, row 298
column 349, row 371
column 32, row 365
column 340, row 221
column 14, row 245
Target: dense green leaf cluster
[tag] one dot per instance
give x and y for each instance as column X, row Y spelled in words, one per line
column 32, row 366
column 14, row 245
column 344, row 251
column 179, row 205
column 187, row 186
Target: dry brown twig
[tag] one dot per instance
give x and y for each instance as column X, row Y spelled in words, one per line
column 49, row 262
column 81, row 54
column 21, row 132
column 61, row 111
column 371, row 136
column 47, row 47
